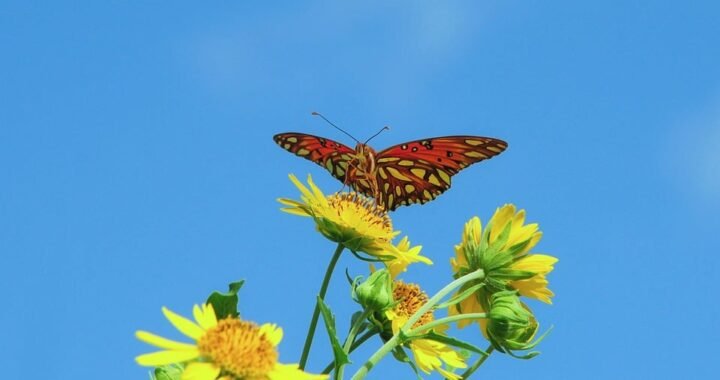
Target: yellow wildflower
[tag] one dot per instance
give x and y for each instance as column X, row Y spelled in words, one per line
column 354, row 221
column 227, row 349
column 501, row 250
column 429, row 355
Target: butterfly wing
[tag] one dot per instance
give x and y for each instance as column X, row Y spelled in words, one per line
column 327, row 153
column 419, row 171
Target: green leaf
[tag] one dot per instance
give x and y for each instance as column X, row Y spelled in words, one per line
column 450, row 341
column 341, row 357
column 354, row 319
column 226, row 304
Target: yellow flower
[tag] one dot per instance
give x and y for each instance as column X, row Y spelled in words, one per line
column 429, row 355
column 405, row 255
column 230, row 348
column 354, row 221
column 501, row 250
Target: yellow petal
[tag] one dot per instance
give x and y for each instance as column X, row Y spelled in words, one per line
column 534, row 287
column 303, row 190
column 543, row 264
column 205, row 316
column 200, row 371
column 469, row 305
column 184, row 325
column 292, row 372
column 160, row 358
column 161, row 342
column 272, row 332
column 317, row 193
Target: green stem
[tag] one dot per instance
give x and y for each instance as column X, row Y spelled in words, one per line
column 316, row 313
column 358, row 342
column 395, row 340
column 478, row 274
column 446, row 321
column 375, row 358
column 477, row 364
column 354, row 330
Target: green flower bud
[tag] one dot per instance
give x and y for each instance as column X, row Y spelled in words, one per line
column 376, row 292
column 168, row 372
column 511, row 326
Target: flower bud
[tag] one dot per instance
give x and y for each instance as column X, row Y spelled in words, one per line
column 511, row 325
column 168, row 372
column 376, row 292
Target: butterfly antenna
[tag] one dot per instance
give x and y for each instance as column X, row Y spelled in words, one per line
column 385, row 128
column 338, row 128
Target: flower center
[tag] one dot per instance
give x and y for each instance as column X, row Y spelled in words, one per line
column 411, row 298
column 238, row 347
column 362, row 211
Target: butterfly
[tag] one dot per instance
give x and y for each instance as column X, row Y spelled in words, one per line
column 404, row 174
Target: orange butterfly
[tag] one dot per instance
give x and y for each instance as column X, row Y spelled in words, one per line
column 413, row 172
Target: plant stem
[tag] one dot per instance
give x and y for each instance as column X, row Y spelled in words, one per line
column 395, row 340
column 477, row 364
column 375, row 358
column 316, row 312
column 354, row 330
column 362, row 339
column 478, row 274
column 446, row 320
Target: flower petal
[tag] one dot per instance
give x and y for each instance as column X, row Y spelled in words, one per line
column 292, row 372
column 161, row 342
column 205, row 316
column 272, row 332
column 160, row 358
column 201, row 371
column 184, row 325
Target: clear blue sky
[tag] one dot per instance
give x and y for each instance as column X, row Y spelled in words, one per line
column 137, row 167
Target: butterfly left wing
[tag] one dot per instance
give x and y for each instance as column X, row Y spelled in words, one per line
column 419, row 171
column 331, row 155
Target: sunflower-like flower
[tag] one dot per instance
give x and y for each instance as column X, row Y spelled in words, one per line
column 429, row 355
column 354, row 221
column 502, row 252
column 228, row 349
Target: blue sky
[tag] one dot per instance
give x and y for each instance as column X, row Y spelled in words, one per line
column 138, row 169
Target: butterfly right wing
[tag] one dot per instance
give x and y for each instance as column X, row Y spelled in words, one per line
column 332, row 155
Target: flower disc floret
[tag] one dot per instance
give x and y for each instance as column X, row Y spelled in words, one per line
column 240, row 347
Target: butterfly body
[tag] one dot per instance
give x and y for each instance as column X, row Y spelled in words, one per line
column 413, row 172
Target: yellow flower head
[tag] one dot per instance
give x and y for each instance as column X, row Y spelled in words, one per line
column 501, row 250
column 429, row 355
column 231, row 347
column 354, row 221
column 347, row 218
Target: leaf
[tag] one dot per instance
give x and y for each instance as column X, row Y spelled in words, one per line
column 226, row 304
column 341, row 357
column 354, row 319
